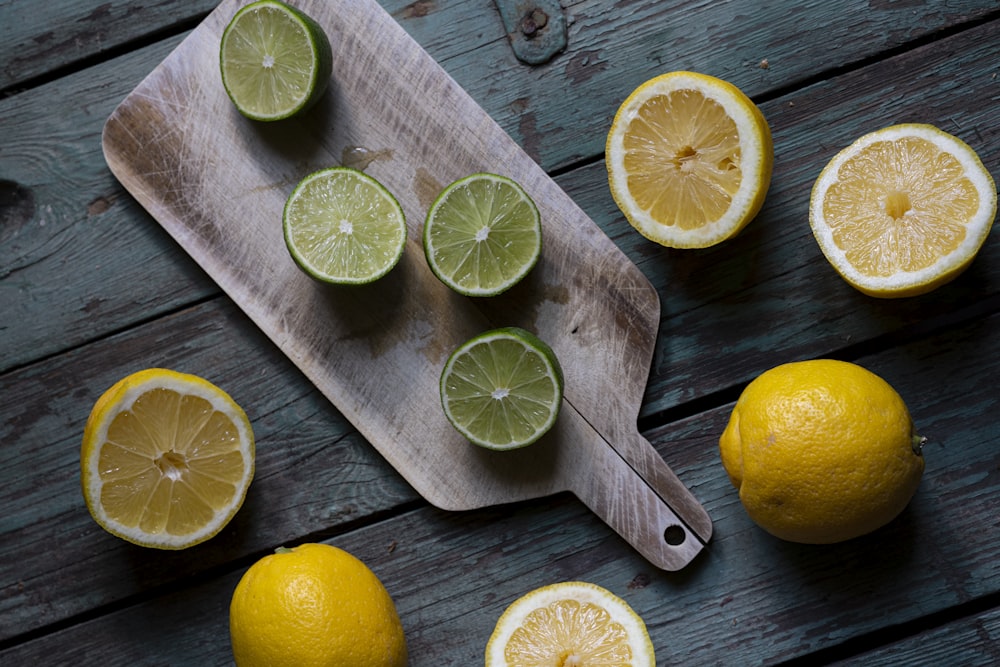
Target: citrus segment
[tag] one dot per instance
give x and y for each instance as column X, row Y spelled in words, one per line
column 166, row 459
column 902, row 210
column 343, row 226
column 570, row 623
column 502, row 389
column 314, row 606
column 821, row 451
column 689, row 159
column 275, row 60
column 482, row 235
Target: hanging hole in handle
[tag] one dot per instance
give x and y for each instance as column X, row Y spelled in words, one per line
column 674, row 535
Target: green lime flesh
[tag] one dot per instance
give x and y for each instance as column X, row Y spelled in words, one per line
column 275, row 61
column 482, row 235
column 342, row 226
column 502, row 389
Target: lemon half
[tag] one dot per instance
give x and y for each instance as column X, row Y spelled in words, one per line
column 902, row 210
column 689, row 159
column 166, row 459
column 570, row 623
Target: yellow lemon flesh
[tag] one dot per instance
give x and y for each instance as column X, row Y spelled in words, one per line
column 902, row 210
column 821, row 451
column 166, row 459
column 314, row 606
column 568, row 624
column 689, row 159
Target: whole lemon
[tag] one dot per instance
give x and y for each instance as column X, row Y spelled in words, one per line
column 821, row 451
column 314, row 606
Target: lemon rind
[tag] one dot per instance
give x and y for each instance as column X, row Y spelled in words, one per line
column 514, row 616
column 124, row 395
column 908, row 283
column 755, row 140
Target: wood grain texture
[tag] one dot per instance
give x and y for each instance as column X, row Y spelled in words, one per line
column 314, row 474
column 970, row 642
column 74, row 237
column 89, row 211
column 218, row 183
column 762, row 47
column 34, row 41
column 747, row 599
column 464, row 35
column 769, row 294
column 91, row 288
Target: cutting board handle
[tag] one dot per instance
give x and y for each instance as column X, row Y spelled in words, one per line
column 635, row 492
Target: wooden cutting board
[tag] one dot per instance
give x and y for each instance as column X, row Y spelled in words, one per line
column 217, row 183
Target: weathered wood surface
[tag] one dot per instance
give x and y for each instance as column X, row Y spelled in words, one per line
column 971, row 641
column 76, row 255
column 749, row 599
column 90, row 214
column 68, row 34
column 218, row 183
column 771, row 285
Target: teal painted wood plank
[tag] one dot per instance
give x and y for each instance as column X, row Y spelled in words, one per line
column 445, row 573
column 560, row 112
column 36, row 39
column 769, row 295
column 314, row 473
column 970, row 642
column 748, row 599
column 939, row 553
column 112, row 245
column 79, row 258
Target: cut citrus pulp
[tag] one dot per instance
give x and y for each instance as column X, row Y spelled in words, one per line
column 902, row 210
column 570, row 623
column 483, row 234
column 343, row 226
column 689, row 159
column 502, row 389
column 166, row 459
column 275, row 61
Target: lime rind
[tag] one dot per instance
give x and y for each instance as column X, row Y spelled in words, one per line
column 268, row 80
column 502, row 389
column 482, row 235
column 344, row 227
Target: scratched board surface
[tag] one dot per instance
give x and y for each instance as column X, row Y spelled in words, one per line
column 218, row 184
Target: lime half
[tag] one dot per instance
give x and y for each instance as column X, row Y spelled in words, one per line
column 343, row 226
column 502, row 389
column 276, row 61
column 483, row 234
